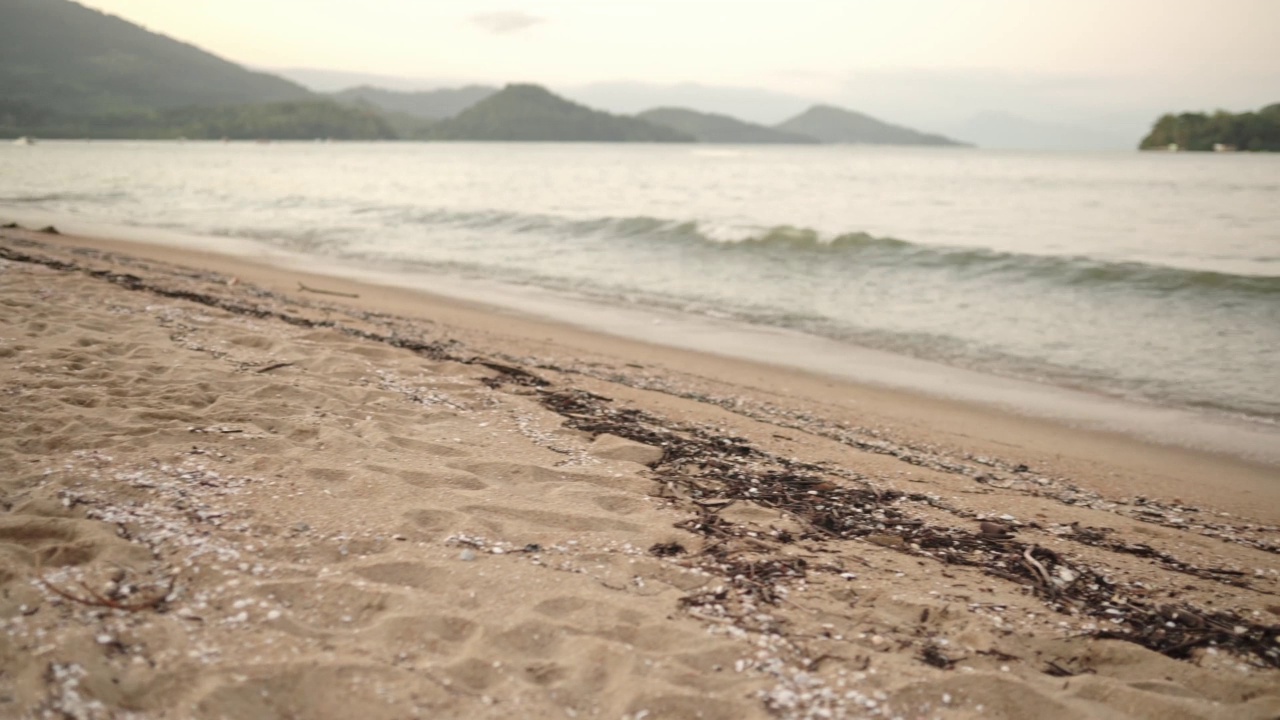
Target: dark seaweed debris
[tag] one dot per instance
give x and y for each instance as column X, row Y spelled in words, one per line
column 1098, row 537
column 714, row 471
column 994, row 472
column 436, row 350
column 667, row 549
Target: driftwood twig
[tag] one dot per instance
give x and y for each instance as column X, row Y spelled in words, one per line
column 152, row 602
column 304, row 288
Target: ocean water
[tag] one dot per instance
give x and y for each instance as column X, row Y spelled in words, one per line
column 1149, row 277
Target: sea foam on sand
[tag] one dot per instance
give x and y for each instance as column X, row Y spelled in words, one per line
column 236, row 499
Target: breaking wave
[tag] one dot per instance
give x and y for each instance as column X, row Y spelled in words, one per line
column 858, row 248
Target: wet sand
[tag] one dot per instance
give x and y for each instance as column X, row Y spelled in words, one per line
column 230, row 496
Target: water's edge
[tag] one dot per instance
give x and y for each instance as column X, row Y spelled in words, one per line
column 1201, row 431
column 1147, row 279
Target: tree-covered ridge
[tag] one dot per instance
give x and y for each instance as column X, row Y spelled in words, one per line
column 531, row 113
column 426, row 104
column 305, row 120
column 65, row 59
column 714, row 128
column 837, row 125
column 1200, row 131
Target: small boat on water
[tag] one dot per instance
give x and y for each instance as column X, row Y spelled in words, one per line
column 24, row 140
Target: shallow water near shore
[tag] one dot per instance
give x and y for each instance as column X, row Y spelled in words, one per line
column 1153, row 278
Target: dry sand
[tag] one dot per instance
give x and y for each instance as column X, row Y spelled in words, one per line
column 227, row 498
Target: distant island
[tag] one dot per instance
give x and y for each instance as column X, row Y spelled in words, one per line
column 713, row 128
column 521, row 112
column 831, row 124
column 68, row 71
column 1221, row 131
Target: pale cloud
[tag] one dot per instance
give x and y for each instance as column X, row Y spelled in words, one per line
column 504, row 23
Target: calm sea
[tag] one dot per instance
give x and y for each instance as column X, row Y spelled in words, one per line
column 1150, row 277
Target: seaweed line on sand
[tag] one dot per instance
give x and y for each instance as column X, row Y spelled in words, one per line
column 716, row 470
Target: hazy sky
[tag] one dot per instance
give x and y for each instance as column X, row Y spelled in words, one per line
column 1095, row 52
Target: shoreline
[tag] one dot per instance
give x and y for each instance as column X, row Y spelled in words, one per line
column 1237, row 451
column 227, row 495
column 1100, row 404
column 1232, row 431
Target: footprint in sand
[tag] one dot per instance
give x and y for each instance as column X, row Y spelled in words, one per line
column 619, row 504
column 329, row 606
column 555, row 520
column 442, row 478
column 55, row 542
column 474, row 674
column 523, row 474
column 531, row 638
column 407, row 574
column 311, row 690
column 330, row 475
column 430, row 634
column 432, row 523
column 428, row 448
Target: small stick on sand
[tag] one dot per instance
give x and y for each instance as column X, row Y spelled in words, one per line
column 1039, row 569
column 94, row 599
column 276, row 366
column 318, row 291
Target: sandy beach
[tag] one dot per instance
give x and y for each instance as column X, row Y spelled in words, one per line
column 234, row 490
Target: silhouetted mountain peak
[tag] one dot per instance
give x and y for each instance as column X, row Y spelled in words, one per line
column 527, row 112
column 832, row 124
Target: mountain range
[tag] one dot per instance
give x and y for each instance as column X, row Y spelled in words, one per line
column 530, row 113
column 70, row 71
column 837, row 125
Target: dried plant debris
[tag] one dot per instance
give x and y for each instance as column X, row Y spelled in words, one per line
column 713, row 471
column 991, row 472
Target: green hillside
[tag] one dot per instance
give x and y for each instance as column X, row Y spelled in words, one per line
column 427, row 104
column 836, row 125
column 531, row 113
column 1199, row 131
column 295, row 120
column 61, row 58
column 713, row 128
column 70, row 71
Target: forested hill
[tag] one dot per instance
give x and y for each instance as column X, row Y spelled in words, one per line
column 532, row 113
column 425, row 104
column 58, row 57
column 294, row 120
column 837, row 125
column 1199, row 131
column 713, row 128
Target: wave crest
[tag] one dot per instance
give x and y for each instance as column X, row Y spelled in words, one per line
column 859, row 248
